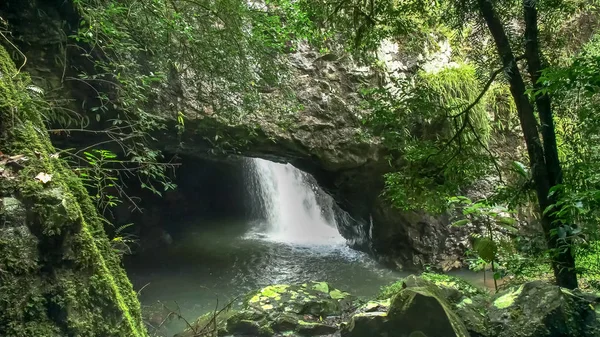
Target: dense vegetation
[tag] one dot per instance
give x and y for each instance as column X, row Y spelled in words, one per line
column 514, row 100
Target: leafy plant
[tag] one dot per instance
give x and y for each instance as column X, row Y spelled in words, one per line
column 123, row 242
column 499, row 227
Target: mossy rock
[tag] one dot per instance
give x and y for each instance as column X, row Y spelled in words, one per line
column 310, row 309
column 539, row 309
column 315, row 298
column 453, row 285
column 58, row 272
column 362, row 324
column 421, row 309
column 315, row 328
column 206, row 323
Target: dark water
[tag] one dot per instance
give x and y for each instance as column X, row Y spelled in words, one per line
column 219, row 261
column 224, row 260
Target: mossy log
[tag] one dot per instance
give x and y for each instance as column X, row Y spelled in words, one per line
column 58, row 273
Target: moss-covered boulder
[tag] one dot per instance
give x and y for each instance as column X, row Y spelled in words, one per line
column 309, row 309
column 468, row 302
column 421, row 309
column 415, row 306
column 58, row 273
column 538, row 309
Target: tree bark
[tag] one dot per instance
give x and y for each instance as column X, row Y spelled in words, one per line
column 543, row 178
column 565, row 260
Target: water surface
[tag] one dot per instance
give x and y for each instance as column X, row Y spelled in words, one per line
column 227, row 259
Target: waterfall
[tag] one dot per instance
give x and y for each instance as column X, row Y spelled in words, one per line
column 288, row 202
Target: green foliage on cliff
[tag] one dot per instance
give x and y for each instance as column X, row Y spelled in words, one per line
column 58, row 273
column 440, row 141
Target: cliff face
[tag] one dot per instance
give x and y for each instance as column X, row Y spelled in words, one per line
column 58, row 273
column 319, row 130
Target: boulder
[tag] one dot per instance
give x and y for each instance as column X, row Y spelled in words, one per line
column 421, row 309
column 467, row 301
column 538, row 309
column 417, row 308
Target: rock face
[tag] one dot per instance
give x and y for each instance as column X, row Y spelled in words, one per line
column 59, row 275
column 431, row 305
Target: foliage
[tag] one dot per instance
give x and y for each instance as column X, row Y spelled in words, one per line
column 452, row 282
column 441, row 280
column 441, row 143
column 577, row 86
column 499, row 226
column 390, row 290
column 122, row 241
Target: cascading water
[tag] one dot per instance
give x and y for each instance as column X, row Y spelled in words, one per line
column 288, row 203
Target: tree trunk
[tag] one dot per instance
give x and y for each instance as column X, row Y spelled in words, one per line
column 565, row 260
column 563, row 263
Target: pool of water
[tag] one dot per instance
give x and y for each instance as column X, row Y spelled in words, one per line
column 207, row 263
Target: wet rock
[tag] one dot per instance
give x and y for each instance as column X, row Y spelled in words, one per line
column 415, row 306
column 315, row 328
column 315, row 298
column 538, row 309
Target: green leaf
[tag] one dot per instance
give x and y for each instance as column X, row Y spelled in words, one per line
column 521, row 169
column 460, row 223
column 509, row 228
column 486, row 248
column 507, row 221
column 549, row 208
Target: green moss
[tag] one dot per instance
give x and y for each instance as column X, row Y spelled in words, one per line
column 442, row 280
column 508, row 299
column 62, row 277
column 466, row 301
column 390, row 290
column 372, row 305
column 321, row 286
column 371, row 314
column 273, row 291
column 337, row 294
column 301, row 322
column 403, row 304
